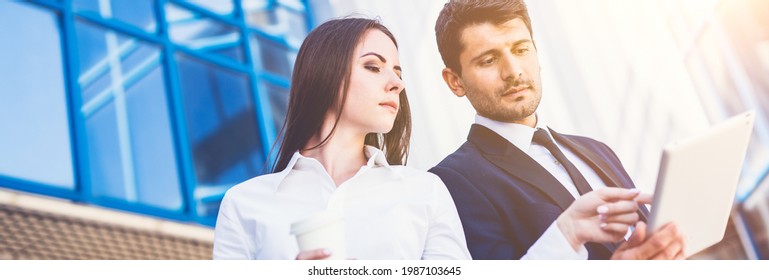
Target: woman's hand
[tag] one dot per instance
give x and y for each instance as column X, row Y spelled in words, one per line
column 319, row 254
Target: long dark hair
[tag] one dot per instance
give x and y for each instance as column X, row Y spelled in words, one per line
column 322, row 68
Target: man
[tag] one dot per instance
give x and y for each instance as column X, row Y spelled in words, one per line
column 514, row 176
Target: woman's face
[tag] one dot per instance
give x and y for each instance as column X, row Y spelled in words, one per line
column 375, row 85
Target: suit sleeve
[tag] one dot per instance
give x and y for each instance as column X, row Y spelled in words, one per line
column 487, row 237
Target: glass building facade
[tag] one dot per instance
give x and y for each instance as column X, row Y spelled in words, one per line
column 150, row 106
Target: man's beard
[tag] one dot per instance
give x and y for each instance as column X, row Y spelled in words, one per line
column 525, row 105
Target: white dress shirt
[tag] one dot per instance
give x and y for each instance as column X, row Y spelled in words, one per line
column 390, row 212
column 552, row 244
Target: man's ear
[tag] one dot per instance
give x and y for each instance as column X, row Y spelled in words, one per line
column 454, row 82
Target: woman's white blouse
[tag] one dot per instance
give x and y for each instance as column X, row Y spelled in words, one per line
column 390, row 212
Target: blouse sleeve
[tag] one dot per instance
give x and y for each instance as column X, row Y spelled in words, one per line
column 445, row 237
column 229, row 238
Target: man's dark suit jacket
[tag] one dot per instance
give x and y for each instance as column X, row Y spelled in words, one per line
column 506, row 200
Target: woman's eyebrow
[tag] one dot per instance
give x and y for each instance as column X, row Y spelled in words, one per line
column 375, row 54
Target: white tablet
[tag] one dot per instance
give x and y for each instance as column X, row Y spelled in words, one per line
column 697, row 182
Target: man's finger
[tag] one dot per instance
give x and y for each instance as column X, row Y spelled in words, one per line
column 658, row 241
column 618, row 208
column 627, row 219
column 614, row 194
column 670, row 252
column 617, row 230
column 638, row 236
column 680, row 255
column 645, row 198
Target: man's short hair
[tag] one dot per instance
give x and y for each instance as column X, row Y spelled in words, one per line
column 459, row 14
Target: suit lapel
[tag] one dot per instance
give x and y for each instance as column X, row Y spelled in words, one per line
column 598, row 163
column 515, row 162
column 591, row 158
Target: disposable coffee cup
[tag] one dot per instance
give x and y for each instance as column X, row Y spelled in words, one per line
column 322, row 231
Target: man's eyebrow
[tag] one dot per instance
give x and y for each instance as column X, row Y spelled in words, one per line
column 521, row 41
column 375, row 54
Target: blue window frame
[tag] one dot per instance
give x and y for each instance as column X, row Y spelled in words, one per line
column 156, row 109
column 137, row 13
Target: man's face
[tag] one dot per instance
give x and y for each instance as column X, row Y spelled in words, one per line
column 500, row 72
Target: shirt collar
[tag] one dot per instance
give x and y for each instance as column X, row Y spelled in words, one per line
column 375, row 158
column 517, row 134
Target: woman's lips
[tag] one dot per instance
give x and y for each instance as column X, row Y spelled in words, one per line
column 390, row 104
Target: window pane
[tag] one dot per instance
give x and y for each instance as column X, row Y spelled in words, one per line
column 272, row 56
column 130, row 144
column 222, row 129
column 34, row 127
column 278, row 97
column 93, row 77
column 204, row 34
column 106, row 172
column 156, row 170
column 283, row 18
column 139, row 13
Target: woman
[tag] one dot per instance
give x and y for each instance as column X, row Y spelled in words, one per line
column 344, row 144
column 348, row 120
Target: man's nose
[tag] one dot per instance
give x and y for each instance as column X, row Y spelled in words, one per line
column 512, row 69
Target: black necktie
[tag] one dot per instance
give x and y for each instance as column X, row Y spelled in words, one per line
column 541, row 137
